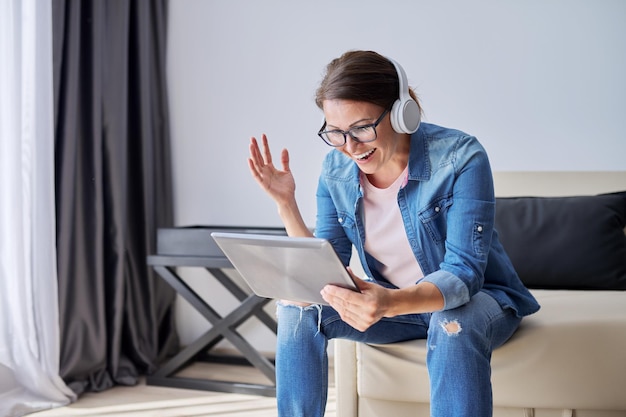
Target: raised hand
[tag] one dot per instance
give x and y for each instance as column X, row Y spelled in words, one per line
column 279, row 184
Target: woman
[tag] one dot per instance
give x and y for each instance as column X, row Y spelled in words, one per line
column 416, row 200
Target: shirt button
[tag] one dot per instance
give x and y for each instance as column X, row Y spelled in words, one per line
column 437, row 209
column 340, row 220
column 479, row 229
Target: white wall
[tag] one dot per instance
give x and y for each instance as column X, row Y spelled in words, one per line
column 541, row 83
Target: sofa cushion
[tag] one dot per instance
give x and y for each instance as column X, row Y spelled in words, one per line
column 548, row 363
column 575, row 243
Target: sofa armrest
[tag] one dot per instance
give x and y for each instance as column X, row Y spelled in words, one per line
column 346, row 377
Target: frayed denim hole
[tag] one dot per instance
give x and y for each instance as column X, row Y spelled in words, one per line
column 451, row 328
column 302, row 309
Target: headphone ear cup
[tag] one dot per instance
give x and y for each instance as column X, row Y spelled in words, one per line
column 405, row 113
column 410, row 116
column 405, row 116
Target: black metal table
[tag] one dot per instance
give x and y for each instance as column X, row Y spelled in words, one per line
column 194, row 247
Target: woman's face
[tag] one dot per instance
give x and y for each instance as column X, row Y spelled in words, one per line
column 383, row 159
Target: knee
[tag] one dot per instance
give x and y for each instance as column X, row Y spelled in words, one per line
column 456, row 328
column 451, row 328
column 448, row 324
column 294, row 319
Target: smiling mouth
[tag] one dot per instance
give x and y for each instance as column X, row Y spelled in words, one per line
column 365, row 155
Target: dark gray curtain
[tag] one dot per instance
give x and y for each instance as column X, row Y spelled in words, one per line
column 113, row 189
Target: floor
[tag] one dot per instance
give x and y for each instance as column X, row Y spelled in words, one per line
column 144, row 400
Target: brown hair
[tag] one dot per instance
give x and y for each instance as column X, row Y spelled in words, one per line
column 361, row 76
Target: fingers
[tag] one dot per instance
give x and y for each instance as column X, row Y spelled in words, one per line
column 345, row 310
column 254, row 171
column 255, row 160
column 279, row 184
column 350, row 306
column 259, row 159
column 359, row 309
column 255, row 153
column 267, row 155
column 284, row 159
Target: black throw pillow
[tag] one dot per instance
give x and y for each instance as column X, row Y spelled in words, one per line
column 575, row 243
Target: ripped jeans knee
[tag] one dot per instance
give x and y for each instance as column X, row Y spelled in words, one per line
column 482, row 323
column 451, row 327
column 298, row 319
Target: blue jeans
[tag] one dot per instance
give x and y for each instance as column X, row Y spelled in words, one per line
column 460, row 344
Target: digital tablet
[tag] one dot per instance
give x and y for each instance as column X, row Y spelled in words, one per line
column 282, row 267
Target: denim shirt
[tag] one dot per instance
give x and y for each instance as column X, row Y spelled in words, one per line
column 448, row 210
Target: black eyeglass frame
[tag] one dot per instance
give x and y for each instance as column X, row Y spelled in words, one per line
column 345, row 133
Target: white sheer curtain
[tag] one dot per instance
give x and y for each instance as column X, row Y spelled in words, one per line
column 29, row 327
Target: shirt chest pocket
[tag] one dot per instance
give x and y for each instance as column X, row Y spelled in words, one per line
column 434, row 219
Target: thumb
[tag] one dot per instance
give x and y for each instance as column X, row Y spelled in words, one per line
column 360, row 283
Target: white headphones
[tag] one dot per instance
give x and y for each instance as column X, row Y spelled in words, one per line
column 405, row 113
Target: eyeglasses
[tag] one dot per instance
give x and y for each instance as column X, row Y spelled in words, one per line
column 361, row 134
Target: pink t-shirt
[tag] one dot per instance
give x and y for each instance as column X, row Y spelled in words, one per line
column 385, row 237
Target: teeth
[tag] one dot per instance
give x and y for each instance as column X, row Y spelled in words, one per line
column 364, row 155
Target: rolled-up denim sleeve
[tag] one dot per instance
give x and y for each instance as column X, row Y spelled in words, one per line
column 454, row 290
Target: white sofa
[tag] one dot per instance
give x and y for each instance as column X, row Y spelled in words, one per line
column 569, row 359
